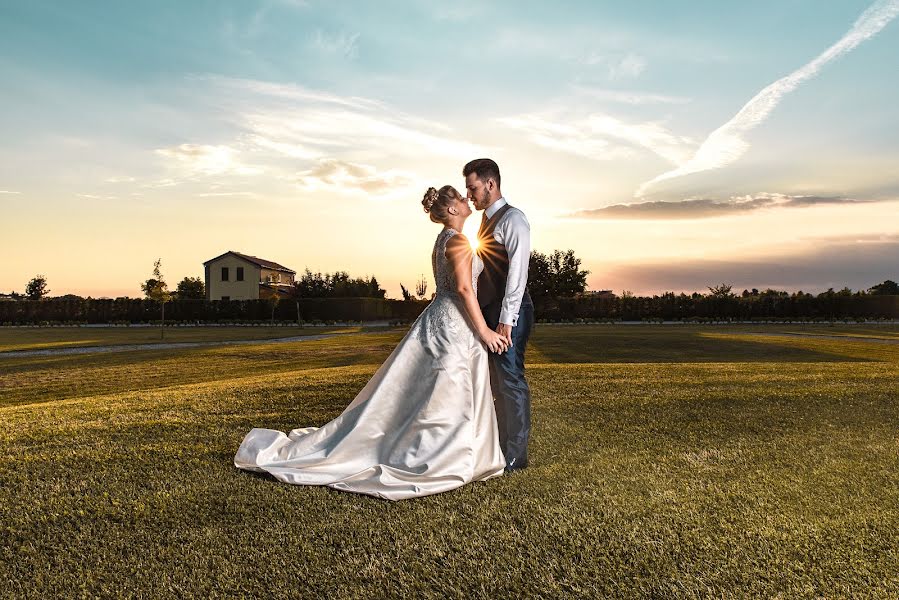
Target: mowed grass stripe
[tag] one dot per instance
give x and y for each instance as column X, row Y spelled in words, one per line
column 28, row 380
column 44, row 338
column 664, row 343
column 40, row 379
column 664, row 479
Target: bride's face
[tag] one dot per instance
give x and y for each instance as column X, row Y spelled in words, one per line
column 463, row 209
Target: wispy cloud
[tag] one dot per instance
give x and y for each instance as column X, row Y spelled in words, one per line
column 224, row 194
column 203, row 159
column 9, row 192
column 573, row 138
column 458, row 11
column 341, row 43
column 286, row 91
column 244, row 30
column 726, row 144
column 346, row 176
column 282, row 128
column 96, row 197
column 292, row 150
column 632, row 97
column 161, row 183
column 650, row 135
column 301, row 123
column 704, row 208
column 628, row 66
column 600, row 136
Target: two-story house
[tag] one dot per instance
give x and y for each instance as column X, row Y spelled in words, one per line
column 236, row 276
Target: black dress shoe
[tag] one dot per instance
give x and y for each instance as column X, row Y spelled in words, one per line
column 516, row 464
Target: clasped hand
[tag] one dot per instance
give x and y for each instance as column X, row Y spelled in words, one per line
column 500, row 340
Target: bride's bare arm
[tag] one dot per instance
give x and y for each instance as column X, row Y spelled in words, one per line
column 458, row 252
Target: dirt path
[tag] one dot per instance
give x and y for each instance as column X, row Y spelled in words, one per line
column 164, row 346
column 824, row 336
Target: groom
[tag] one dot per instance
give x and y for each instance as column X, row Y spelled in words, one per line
column 504, row 244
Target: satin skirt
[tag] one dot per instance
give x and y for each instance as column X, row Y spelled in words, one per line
column 425, row 423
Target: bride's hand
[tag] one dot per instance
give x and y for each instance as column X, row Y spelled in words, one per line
column 494, row 341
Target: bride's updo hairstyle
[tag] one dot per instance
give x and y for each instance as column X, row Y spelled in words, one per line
column 437, row 202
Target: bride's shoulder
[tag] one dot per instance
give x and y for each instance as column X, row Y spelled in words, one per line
column 457, row 242
column 449, row 234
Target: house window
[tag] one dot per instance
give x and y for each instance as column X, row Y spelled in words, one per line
column 226, row 297
column 239, row 273
column 224, row 273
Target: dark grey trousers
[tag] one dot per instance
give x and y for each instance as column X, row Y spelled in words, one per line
column 512, row 396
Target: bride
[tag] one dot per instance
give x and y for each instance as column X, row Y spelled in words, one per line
column 425, row 422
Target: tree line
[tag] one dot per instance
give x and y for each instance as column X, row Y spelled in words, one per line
column 556, row 282
column 721, row 303
column 337, row 285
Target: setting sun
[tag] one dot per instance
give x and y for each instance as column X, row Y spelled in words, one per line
column 471, row 232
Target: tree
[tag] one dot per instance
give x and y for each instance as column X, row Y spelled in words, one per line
column 540, row 278
column 407, row 297
column 722, row 301
column 338, row 285
column 887, row 288
column 191, row 287
column 421, row 288
column 721, row 291
column 375, row 290
column 273, row 301
column 557, row 275
column 295, row 292
column 273, row 293
column 156, row 289
column 37, row 288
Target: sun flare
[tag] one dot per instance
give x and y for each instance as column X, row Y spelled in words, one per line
column 470, row 229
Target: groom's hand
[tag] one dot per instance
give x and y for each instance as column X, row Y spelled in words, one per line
column 506, row 331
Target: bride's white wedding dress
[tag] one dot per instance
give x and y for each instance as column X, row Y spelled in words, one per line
column 423, row 424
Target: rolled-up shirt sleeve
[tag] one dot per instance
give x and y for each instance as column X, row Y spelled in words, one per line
column 515, row 234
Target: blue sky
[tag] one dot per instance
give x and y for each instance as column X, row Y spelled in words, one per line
column 671, row 145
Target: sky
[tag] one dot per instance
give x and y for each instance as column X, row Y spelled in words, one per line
column 672, row 146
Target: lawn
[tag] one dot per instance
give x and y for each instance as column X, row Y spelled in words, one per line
column 44, row 338
column 666, row 462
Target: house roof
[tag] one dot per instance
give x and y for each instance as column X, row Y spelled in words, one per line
column 282, row 289
column 261, row 262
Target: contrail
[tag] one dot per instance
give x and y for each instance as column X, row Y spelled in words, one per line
column 726, row 144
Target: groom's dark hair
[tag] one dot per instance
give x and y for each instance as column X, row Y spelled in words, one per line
column 484, row 168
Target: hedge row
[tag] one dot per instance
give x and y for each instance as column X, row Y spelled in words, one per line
column 132, row 310
column 681, row 308
column 129, row 310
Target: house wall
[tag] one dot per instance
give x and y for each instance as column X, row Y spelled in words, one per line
column 280, row 276
column 248, row 289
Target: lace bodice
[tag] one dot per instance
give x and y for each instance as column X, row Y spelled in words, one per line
column 444, row 278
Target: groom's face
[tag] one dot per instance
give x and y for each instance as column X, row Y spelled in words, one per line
column 477, row 191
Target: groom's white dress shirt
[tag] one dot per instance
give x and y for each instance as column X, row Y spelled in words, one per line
column 514, row 232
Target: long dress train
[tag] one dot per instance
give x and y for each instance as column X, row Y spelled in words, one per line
column 424, row 423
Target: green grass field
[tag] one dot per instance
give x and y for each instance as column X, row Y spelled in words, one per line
column 667, row 461
column 45, row 338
